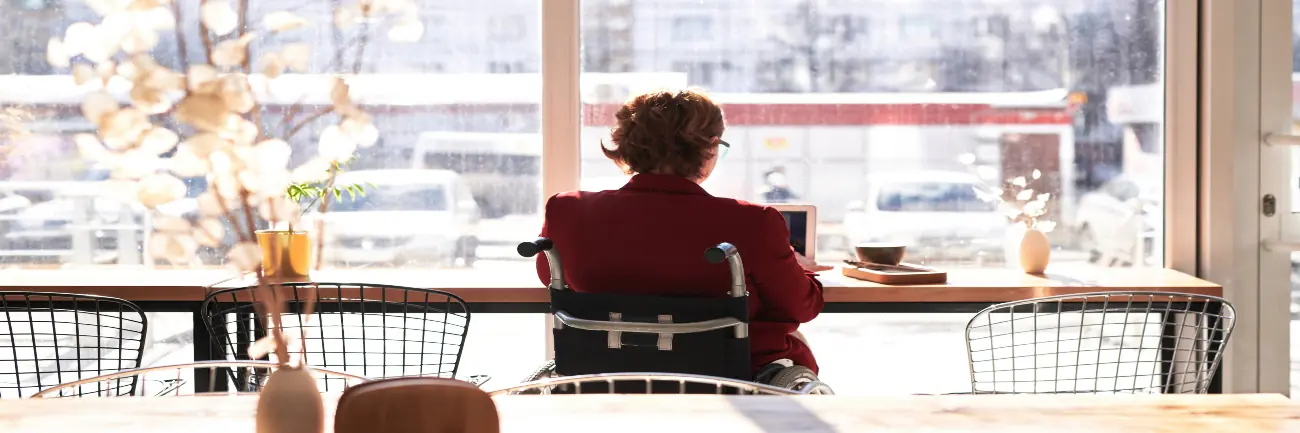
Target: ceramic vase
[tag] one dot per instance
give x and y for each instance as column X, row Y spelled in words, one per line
column 1035, row 251
column 290, row 402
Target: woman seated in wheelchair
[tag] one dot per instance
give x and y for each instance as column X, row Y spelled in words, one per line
column 646, row 237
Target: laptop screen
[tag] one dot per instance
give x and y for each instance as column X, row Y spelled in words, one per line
column 797, row 223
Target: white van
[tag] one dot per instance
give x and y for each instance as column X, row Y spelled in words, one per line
column 406, row 217
column 503, row 170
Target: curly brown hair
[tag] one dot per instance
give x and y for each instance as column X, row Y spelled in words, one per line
column 666, row 132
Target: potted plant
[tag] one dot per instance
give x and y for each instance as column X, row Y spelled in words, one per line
column 287, row 249
column 160, row 121
column 1018, row 201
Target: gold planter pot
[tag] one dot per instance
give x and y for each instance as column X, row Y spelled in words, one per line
column 285, row 254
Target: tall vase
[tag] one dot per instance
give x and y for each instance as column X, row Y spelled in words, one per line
column 290, row 402
column 1035, row 251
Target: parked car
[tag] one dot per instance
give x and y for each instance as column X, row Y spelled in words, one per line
column 1117, row 224
column 935, row 213
column 406, row 217
column 43, row 230
column 11, row 205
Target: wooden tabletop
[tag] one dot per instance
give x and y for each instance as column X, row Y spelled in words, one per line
column 964, row 285
column 660, row 414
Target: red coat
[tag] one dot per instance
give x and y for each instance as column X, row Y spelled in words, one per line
column 649, row 238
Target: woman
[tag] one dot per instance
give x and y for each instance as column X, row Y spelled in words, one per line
column 648, row 237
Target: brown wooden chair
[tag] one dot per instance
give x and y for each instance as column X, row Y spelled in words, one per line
column 416, row 405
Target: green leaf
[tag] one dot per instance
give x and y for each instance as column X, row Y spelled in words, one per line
column 338, row 195
column 296, row 192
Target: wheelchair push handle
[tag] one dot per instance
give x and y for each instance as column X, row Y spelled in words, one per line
column 544, row 245
column 531, row 248
column 728, row 253
column 720, row 253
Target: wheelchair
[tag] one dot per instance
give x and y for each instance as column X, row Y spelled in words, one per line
column 597, row 333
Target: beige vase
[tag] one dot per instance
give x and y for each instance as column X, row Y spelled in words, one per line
column 290, row 402
column 1035, row 251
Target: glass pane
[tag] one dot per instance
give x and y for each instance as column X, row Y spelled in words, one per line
column 840, row 106
column 455, row 165
column 452, row 88
column 888, row 115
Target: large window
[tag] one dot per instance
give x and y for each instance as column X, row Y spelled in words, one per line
column 454, row 100
column 888, row 128
column 457, row 158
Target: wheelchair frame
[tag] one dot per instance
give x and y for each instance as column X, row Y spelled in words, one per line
column 807, row 383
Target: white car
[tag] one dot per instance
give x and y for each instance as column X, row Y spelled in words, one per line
column 935, row 213
column 46, row 231
column 405, row 217
column 1117, row 223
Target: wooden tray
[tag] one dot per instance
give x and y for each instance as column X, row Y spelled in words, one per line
column 903, row 273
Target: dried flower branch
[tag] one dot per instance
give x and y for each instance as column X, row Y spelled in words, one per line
column 1018, row 201
column 245, row 166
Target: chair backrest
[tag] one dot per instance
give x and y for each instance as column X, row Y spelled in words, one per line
column 608, row 333
column 50, row 338
column 416, row 405
column 643, row 383
column 366, row 329
column 1115, row 342
column 240, row 377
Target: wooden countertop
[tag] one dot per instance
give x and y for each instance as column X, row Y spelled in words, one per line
column 708, row 413
column 964, row 285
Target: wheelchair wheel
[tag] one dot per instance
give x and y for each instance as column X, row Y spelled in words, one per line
column 798, row 376
column 544, row 371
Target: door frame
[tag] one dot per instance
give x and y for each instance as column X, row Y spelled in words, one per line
column 1276, row 178
column 1244, row 92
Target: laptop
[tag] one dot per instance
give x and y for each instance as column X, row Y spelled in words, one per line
column 801, row 220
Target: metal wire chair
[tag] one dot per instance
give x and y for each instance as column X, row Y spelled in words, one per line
column 1099, row 343
column 51, row 338
column 174, row 380
column 374, row 330
column 644, row 383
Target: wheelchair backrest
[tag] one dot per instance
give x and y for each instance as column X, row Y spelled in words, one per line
column 611, row 333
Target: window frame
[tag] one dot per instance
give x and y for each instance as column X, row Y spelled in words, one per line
column 561, row 96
